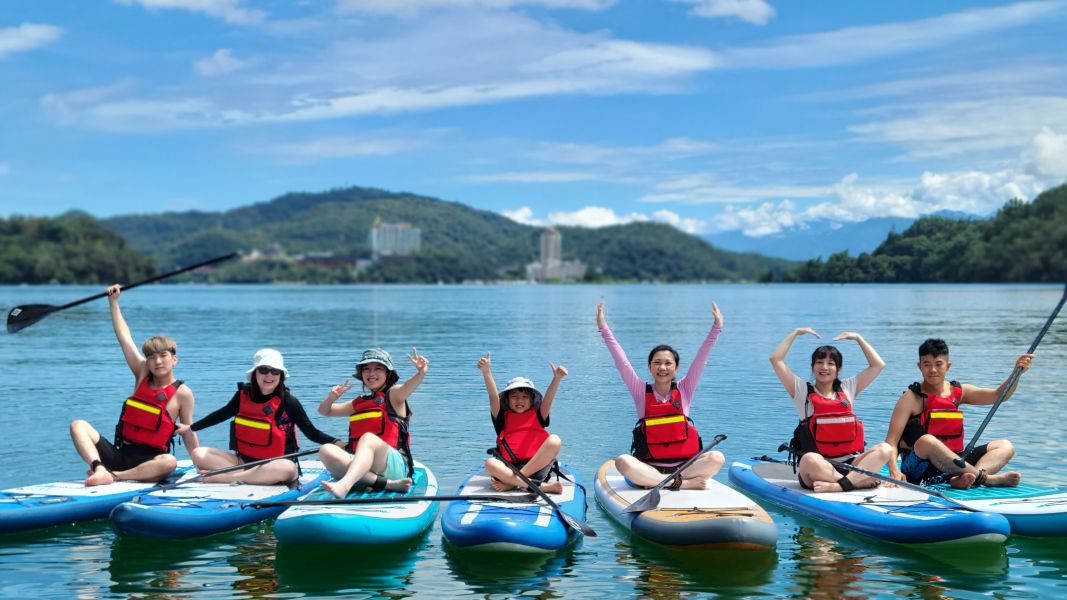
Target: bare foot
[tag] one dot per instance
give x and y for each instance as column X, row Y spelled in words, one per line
column 100, row 477
column 556, row 487
column 500, row 486
column 1009, row 479
column 339, row 491
column 826, row 487
column 398, row 485
column 962, row 481
column 695, row 483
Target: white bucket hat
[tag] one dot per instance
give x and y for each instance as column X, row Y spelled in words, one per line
column 268, row 357
column 516, row 383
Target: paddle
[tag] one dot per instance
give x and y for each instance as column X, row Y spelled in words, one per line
column 567, row 519
column 233, row 468
column 880, row 477
column 390, row 500
column 23, row 316
column 651, row 500
column 1015, row 374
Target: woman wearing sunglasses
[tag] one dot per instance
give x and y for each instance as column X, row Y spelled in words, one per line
column 265, row 416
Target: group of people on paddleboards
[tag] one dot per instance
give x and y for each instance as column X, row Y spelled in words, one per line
column 925, row 430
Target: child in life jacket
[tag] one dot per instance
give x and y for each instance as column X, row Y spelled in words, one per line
column 520, row 415
column 927, row 427
column 147, row 423
column 664, row 436
column 264, row 420
column 829, row 428
column 378, row 437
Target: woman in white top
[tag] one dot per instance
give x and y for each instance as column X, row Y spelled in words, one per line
column 828, row 427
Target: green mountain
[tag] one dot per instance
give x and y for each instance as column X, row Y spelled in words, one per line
column 73, row 248
column 1023, row 242
column 458, row 242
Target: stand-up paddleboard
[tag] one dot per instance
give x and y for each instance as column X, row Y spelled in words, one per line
column 382, row 523
column 1032, row 510
column 892, row 514
column 531, row 526
column 65, row 502
column 199, row 508
column 716, row 517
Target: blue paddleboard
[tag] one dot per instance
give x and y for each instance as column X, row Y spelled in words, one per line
column 892, row 514
column 530, row 526
column 382, row 523
column 199, row 509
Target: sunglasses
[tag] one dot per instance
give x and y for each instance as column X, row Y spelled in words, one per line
column 266, row 370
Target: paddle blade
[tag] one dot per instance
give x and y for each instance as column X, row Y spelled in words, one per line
column 647, row 502
column 23, row 316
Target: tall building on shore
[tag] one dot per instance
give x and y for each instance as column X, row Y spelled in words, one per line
column 552, row 267
column 393, row 239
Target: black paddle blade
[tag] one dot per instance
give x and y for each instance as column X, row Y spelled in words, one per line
column 23, row 316
column 647, row 502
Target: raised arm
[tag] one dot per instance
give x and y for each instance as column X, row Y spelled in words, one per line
column 781, row 369
column 330, row 407
column 875, row 364
column 688, row 384
column 976, row 395
column 558, row 373
column 399, row 393
column 133, row 356
column 485, row 366
column 633, row 382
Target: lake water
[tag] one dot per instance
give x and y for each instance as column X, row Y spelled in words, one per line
column 69, row 366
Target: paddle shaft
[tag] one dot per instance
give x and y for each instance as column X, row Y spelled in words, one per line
column 1015, row 374
column 567, row 519
column 880, row 477
column 149, row 280
column 652, row 497
column 240, row 467
column 391, row 500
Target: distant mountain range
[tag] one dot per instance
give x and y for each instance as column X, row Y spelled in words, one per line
column 822, row 238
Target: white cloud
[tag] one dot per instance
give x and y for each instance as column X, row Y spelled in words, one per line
column 1047, row 156
column 594, row 217
column 230, row 11
column 27, row 36
column 688, row 225
column 411, row 7
column 523, row 215
column 857, row 44
column 343, row 146
column 219, row 63
column 757, row 12
column 705, row 188
column 759, row 221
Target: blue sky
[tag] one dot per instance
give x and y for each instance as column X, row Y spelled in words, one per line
column 713, row 115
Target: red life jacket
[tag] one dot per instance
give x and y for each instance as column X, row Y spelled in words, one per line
column 941, row 416
column 665, row 433
column 524, row 434
column 255, row 432
column 833, row 428
column 374, row 414
column 144, row 419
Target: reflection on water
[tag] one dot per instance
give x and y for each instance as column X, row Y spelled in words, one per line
column 379, row 571
column 824, row 569
column 489, row 573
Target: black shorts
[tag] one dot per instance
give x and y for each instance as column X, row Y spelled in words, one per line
column 921, row 470
column 126, row 457
column 843, row 471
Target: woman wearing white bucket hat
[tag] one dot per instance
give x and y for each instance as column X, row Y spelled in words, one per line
column 520, row 416
column 265, row 416
column 377, row 426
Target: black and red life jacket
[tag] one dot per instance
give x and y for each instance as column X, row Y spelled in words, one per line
column 941, row 416
column 524, row 434
column 832, row 430
column 374, row 413
column 665, row 433
column 256, row 432
column 144, row 419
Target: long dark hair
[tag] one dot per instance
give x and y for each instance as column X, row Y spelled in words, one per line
column 833, row 354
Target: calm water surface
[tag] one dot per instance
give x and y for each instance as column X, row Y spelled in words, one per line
column 69, row 366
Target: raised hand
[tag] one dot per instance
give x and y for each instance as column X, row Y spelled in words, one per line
column 717, row 314
column 339, row 390
column 600, row 313
column 421, row 362
column 114, row 291
column 558, row 371
column 484, row 364
column 807, row 330
column 848, row 335
column 1024, row 362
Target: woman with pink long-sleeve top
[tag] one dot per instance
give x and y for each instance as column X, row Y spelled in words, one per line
column 665, row 436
